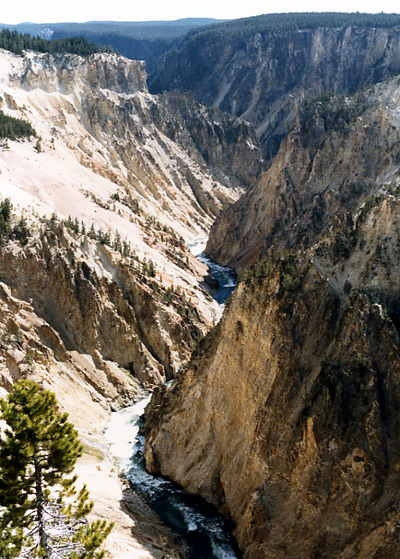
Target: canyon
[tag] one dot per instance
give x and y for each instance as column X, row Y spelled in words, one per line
column 283, row 413
column 103, row 169
column 103, row 297
column 263, row 69
column 303, row 368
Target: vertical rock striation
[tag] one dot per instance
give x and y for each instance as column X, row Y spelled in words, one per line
column 287, row 417
column 286, row 421
column 262, row 75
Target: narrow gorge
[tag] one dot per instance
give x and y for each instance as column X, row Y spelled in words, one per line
column 286, row 416
column 266, row 155
column 100, row 296
column 199, row 531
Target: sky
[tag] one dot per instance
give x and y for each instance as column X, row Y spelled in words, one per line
column 52, row 11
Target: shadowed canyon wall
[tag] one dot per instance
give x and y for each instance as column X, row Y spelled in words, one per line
column 262, row 76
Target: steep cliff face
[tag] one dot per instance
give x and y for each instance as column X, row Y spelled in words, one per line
column 285, row 420
column 108, row 275
column 100, row 303
column 342, row 154
column 104, row 297
column 87, row 386
column 99, row 113
column 263, row 76
column 228, row 146
column 71, row 73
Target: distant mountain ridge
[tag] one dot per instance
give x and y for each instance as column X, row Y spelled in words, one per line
column 138, row 40
column 127, row 28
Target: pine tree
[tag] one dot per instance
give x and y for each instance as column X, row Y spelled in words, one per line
column 117, row 242
column 38, row 449
column 92, row 233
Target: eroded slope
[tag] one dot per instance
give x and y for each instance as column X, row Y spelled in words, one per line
column 96, row 114
column 99, row 295
column 286, row 418
column 343, row 153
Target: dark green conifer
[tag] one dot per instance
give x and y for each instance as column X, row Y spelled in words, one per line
column 15, row 128
column 92, row 233
column 38, row 449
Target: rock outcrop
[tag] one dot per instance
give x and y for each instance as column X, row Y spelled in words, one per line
column 71, row 73
column 100, row 303
column 87, row 387
column 342, row 156
column 286, row 421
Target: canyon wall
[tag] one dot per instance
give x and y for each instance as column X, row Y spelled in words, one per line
column 97, row 110
column 263, row 75
column 285, row 420
column 100, row 297
column 286, row 417
column 110, row 190
column 342, row 154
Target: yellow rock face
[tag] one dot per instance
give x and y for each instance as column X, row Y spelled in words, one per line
column 282, row 421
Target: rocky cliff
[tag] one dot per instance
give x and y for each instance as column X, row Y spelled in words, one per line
column 101, row 303
column 101, row 190
column 145, row 172
column 72, row 73
column 252, row 69
column 98, row 112
column 286, row 421
column 286, row 418
column 99, row 294
column 342, row 156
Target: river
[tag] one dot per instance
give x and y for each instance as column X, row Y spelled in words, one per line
column 204, row 531
column 226, row 277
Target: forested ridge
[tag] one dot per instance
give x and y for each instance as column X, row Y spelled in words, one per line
column 295, row 22
column 151, row 39
column 18, row 42
column 93, row 30
column 140, row 40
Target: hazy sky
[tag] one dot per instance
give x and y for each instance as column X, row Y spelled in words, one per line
column 50, row 11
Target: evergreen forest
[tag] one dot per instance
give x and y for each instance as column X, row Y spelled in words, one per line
column 18, row 42
column 15, row 128
column 278, row 23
